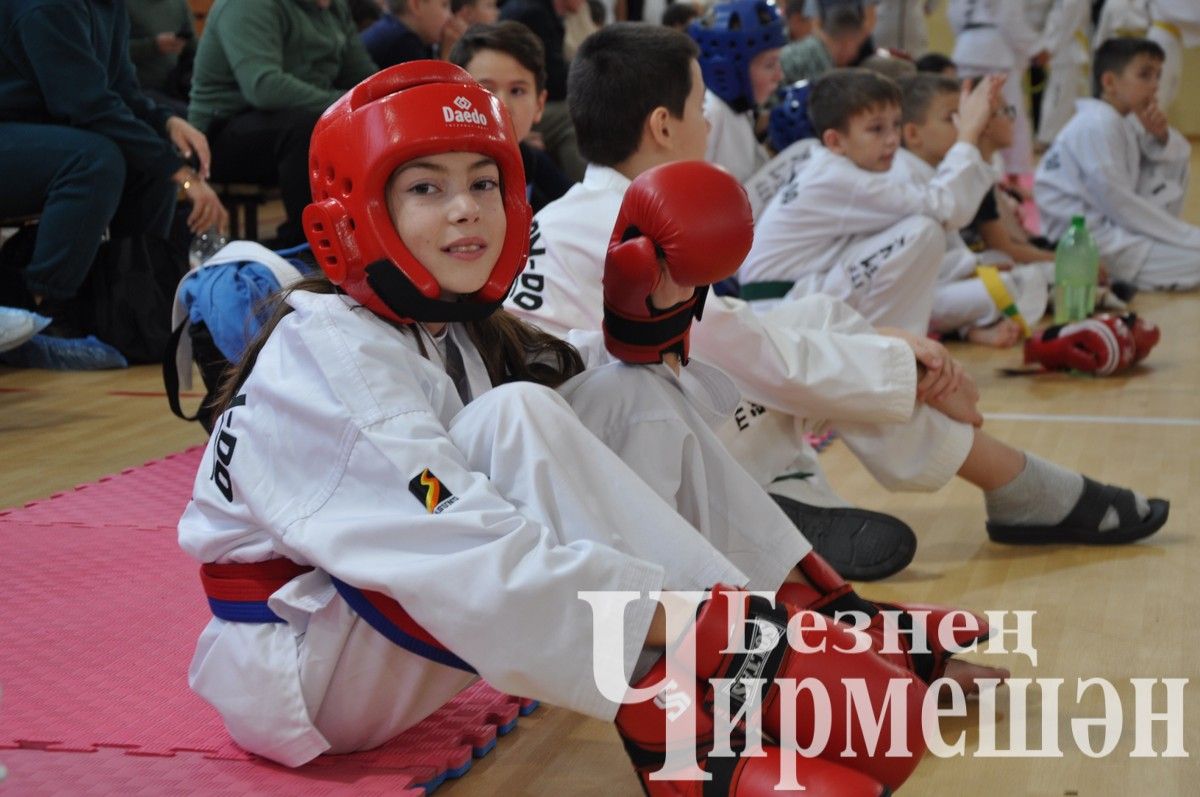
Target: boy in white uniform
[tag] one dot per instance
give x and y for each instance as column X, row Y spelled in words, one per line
column 347, row 608
column 847, row 228
column 739, row 58
column 964, row 304
column 1121, row 166
column 805, row 362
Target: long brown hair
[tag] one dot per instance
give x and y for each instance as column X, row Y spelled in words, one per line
column 512, row 350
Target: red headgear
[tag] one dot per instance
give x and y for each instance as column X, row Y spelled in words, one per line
column 404, row 112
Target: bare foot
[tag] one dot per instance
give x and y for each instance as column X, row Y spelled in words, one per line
column 964, row 673
column 1000, row 335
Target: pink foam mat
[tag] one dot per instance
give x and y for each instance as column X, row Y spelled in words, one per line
column 151, row 496
column 98, row 627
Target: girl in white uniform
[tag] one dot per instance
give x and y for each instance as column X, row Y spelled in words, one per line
column 392, row 505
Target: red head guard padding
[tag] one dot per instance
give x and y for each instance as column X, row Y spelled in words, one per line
column 398, row 114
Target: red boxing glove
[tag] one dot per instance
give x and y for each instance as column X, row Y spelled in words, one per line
column 1145, row 335
column 829, row 655
column 921, row 638
column 690, row 219
column 1100, row 345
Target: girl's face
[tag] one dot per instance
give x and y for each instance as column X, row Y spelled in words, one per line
column 765, row 75
column 448, row 211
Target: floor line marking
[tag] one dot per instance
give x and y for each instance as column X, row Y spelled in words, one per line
column 1109, row 419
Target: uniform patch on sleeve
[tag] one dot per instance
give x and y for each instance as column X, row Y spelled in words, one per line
column 430, row 491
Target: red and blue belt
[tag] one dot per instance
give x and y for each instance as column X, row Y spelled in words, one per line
column 238, row 593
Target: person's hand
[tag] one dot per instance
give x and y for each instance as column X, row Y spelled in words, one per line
column 452, row 31
column 961, row 404
column 1155, row 122
column 169, row 43
column 188, row 140
column 939, row 373
column 976, row 105
column 207, row 210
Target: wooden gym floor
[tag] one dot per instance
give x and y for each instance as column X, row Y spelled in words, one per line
column 1116, row 614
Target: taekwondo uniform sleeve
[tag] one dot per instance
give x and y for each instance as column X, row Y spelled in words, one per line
column 878, row 200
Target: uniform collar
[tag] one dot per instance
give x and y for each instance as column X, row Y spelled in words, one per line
column 605, row 178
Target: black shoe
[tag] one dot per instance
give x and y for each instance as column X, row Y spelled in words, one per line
column 860, row 544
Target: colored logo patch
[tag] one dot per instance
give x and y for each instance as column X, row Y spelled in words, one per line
column 430, row 491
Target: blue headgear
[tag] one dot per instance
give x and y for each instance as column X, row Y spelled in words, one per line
column 789, row 119
column 729, row 37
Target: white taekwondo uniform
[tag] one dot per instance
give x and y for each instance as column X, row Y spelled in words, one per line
column 874, row 241
column 1065, row 37
column 1175, row 26
column 731, row 140
column 762, row 187
column 1130, row 188
column 961, row 300
column 803, row 364
column 340, row 415
column 901, row 25
column 994, row 36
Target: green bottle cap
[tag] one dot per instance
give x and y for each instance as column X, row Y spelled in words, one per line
column 1078, row 221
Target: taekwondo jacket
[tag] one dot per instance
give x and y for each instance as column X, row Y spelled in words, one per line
column 831, row 203
column 340, row 414
column 1106, row 168
column 788, row 360
column 959, row 261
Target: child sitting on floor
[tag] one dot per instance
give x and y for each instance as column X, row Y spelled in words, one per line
column 971, row 293
column 1121, row 166
column 347, row 607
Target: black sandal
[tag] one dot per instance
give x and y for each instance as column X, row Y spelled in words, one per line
column 859, row 544
column 1082, row 525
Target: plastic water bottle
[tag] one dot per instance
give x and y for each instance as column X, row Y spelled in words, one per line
column 1076, row 271
column 205, row 245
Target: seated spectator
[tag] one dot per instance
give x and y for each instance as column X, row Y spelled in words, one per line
column 507, row 60
column 162, row 43
column 837, row 42
column 545, row 19
column 264, row 72
column 408, row 32
column 87, row 149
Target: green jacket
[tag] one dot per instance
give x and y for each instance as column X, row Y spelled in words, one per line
column 274, row 55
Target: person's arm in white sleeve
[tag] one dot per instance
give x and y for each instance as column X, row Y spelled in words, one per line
column 1114, row 191
column 496, row 587
column 813, row 357
column 878, row 200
